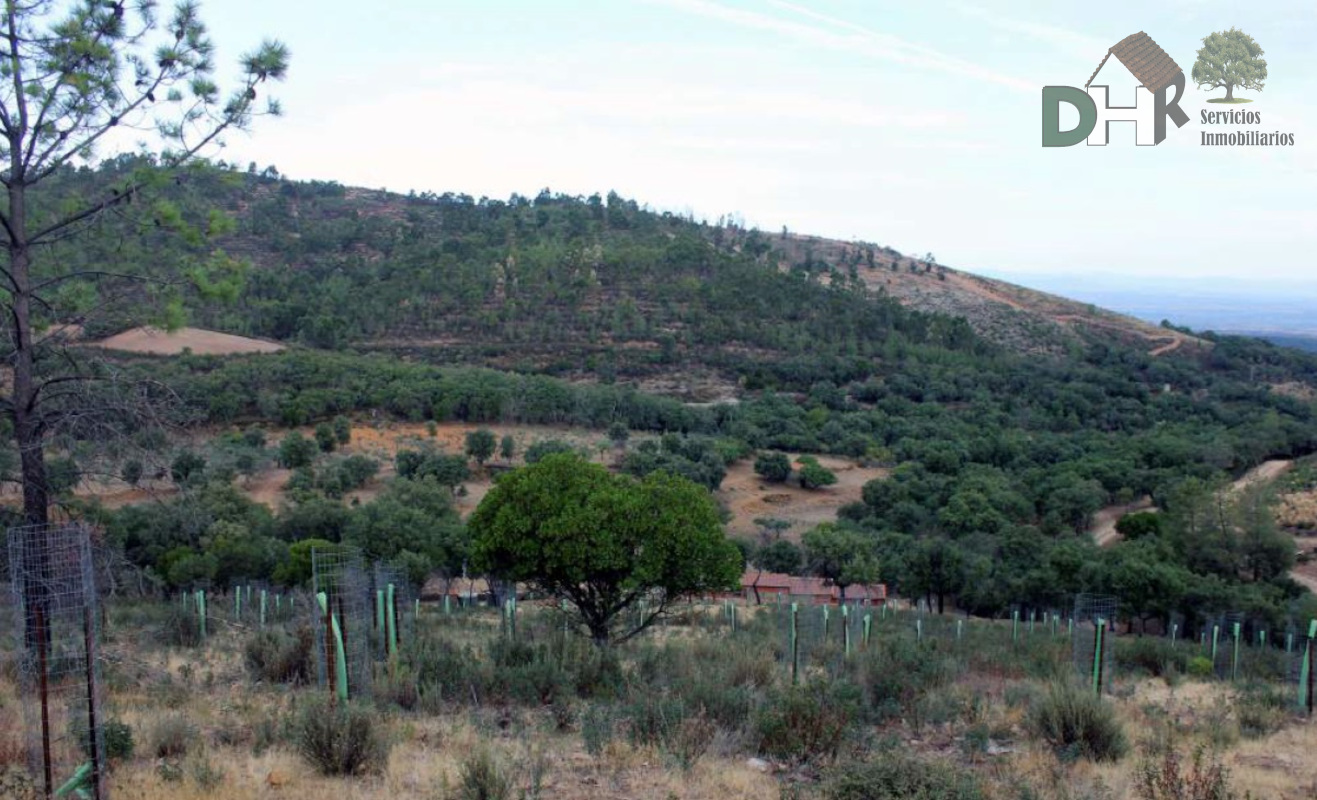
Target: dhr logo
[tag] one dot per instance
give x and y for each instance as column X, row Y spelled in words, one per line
column 1155, row 71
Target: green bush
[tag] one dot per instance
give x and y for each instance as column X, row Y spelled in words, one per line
column 483, row 776
column 806, row 723
column 1199, row 667
column 1151, row 655
column 901, row 777
column 597, row 728
column 654, row 718
column 119, row 744
column 1077, row 723
column 340, row 739
column 897, row 676
column 279, row 657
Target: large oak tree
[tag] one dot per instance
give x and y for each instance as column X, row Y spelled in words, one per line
column 607, row 544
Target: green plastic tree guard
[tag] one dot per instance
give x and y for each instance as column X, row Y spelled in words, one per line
column 340, row 658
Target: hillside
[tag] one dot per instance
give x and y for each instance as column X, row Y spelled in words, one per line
column 976, row 430
column 598, row 289
column 1016, row 317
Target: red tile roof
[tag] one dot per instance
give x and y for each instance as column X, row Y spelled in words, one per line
column 1145, row 60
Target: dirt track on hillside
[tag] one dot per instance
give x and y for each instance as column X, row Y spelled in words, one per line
column 1103, row 528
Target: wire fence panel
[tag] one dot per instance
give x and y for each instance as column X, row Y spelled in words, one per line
column 1090, row 638
column 52, row 582
column 342, row 615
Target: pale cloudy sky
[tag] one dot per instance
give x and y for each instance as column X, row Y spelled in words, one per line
column 912, row 124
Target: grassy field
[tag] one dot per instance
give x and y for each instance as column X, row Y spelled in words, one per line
column 692, row 709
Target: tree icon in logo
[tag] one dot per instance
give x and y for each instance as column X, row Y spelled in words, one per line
column 1228, row 59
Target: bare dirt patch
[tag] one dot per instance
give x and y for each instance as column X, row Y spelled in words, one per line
column 748, row 497
column 153, row 341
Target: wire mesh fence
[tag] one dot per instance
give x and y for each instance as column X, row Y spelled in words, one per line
column 342, row 616
column 1090, row 638
column 53, row 587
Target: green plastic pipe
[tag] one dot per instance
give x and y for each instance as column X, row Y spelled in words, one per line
column 379, row 611
column 1098, row 634
column 237, row 603
column 868, row 623
column 1306, row 667
column 262, row 608
column 1015, row 626
column 340, row 660
column 76, row 783
column 1216, row 637
column 201, row 611
column 846, row 631
column 391, row 616
column 795, row 646
column 1234, row 658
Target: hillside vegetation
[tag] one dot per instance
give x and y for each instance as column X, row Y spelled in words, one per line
column 1004, row 435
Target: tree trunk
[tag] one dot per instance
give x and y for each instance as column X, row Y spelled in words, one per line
column 1230, row 92
column 28, row 431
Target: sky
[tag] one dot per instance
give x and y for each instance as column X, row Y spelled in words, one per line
column 909, row 124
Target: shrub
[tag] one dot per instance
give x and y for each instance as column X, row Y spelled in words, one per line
column 119, row 744
column 814, row 476
column 483, row 776
column 655, row 718
column 1150, row 654
column 172, row 736
column 1261, row 710
column 340, row 739
column 898, row 777
column 181, row 628
column 1077, row 723
column 296, row 451
column 806, row 723
column 691, row 740
column 325, row 438
column 548, row 447
column 278, row 657
column 773, row 467
column 597, row 728
column 342, row 429
column 1199, row 667
column 1162, row 776
column 897, row 676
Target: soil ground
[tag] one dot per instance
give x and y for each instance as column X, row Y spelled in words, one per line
column 153, row 341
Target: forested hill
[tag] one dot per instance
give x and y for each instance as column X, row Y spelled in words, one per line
column 599, row 287
column 1008, row 418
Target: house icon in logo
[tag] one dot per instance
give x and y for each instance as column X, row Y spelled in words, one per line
column 1151, row 65
column 1154, row 70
